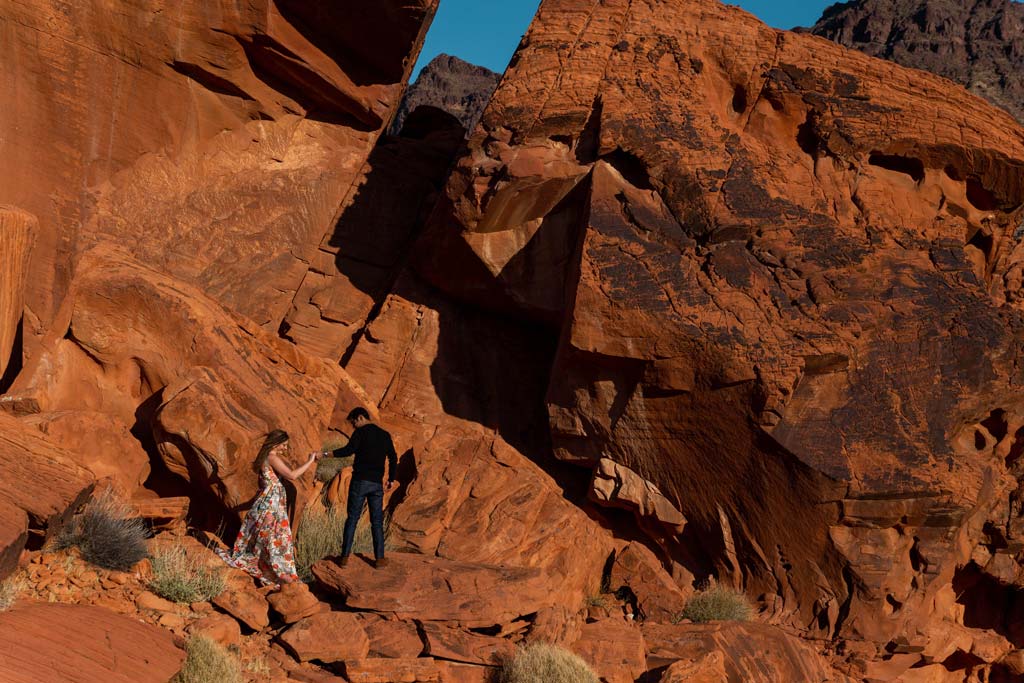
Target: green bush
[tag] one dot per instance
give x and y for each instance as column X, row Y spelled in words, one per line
column 10, row 589
column 717, row 603
column 547, row 663
column 182, row 578
column 208, row 662
column 106, row 533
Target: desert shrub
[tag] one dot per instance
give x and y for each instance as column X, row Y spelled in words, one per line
column 318, row 535
column 548, row 663
column 179, row 577
column 10, row 589
column 327, row 468
column 717, row 603
column 106, row 533
column 208, row 662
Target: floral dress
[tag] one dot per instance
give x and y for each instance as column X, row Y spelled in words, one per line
column 264, row 544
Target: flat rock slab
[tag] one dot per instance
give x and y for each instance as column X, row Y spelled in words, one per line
column 327, row 637
column 419, row 670
column 615, row 648
column 44, row 643
column 434, row 589
column 457, row 645
column 758, row 653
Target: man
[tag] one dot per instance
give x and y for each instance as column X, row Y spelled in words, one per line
column 371, row 446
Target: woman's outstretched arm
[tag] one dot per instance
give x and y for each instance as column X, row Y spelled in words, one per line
column 288, row 473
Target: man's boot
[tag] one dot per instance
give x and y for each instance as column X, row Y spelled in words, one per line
column 381, row 563
column 343, row 562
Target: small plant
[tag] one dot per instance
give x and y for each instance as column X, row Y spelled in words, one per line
column 106, row 533
column 321, row 532
column 181, row 578
column 10, row 589
column 208, row 662
column 547, row 663
column 328, row 468
column 717, row 603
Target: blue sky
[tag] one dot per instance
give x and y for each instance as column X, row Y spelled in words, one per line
column 486, row 32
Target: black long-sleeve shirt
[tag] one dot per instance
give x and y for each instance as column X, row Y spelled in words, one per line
column 371, row 445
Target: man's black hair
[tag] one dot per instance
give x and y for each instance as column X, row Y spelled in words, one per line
column 357, row 413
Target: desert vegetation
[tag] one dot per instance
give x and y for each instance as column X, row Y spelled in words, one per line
column 106, row 533
column 717, row 603
column 208, row 662
column 548, row 663
column 182, row 578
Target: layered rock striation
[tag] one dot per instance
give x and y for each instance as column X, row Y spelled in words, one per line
column 978, row 44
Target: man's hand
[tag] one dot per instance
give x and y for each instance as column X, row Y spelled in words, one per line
column 391, row 485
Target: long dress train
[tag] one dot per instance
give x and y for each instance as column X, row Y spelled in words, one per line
column 264, row 545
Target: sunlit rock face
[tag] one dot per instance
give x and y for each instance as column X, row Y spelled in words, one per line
column 786, row 282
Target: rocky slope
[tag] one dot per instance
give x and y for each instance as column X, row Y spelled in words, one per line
column 452, row 85
column 977, row 43
column 700, row 301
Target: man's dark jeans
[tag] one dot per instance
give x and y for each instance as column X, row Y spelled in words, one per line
column 371, row 492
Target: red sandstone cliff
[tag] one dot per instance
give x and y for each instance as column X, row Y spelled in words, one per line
column 700, row 298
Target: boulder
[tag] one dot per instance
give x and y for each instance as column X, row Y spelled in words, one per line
column 435, row 589
column 709, row 668
column 99, row 442
column 246, row 604
column 658, row 598
column 458, row 645
column 151, row 601
column 51, row 643
column 294, row 602
column 41, row 487
column 327, row 637
column 614, row 648
column 219, row 628
column 391, row 638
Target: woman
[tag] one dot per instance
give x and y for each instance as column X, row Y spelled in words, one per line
column 264, row 544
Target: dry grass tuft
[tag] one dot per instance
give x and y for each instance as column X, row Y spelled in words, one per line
column 10, row 589
column 717, row 603
column 182, row 578
column 107, row 533
column 208, row 662
column 321, row 532
column 547, row 663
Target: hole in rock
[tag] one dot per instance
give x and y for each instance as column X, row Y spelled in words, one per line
column 894, row 603
column 983, row 242
column 14, row 363
column 631, row 167
column 1016, row 449
column 980, row 198
column 960, row 660
column 739, row 99
column 954, row 173
column 590, row 137
column 979, row 440
column 807, row 135
column 917, row 561
column 900, row 164
column 989, row 604
column 996, row 424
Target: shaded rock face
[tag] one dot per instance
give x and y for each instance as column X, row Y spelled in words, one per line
column 785, row 281
column 978, row 43
column 451, row 85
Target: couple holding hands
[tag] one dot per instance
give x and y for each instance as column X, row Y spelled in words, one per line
column 264, row 546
